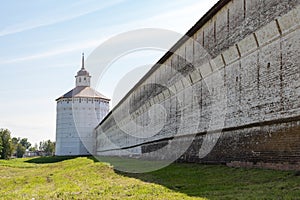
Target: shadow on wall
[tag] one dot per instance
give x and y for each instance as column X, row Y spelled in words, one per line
column 50, row 159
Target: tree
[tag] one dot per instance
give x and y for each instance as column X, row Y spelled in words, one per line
column 48, row 147
column 6, row 146
column 15, row 140
column 14, row 143
column 24, row 142
column 18, row 146
column 20, row 151
column 32, row 149
column 1, row 147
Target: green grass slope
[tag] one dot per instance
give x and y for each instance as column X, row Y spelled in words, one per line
column 83, row 178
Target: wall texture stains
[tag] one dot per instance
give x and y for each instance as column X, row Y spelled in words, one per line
column 228, row 92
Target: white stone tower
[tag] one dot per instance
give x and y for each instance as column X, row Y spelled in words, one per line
column 79, row 111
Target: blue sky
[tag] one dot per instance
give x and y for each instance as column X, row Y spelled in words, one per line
column 41, row 44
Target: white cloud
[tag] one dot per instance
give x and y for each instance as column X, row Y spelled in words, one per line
column 50, row 19
column 193, row 12
column 180, row 19
column 57, row 51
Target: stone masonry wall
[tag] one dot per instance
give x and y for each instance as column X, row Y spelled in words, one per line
column 228, row 93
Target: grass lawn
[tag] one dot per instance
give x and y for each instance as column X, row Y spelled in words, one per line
column 84, row 178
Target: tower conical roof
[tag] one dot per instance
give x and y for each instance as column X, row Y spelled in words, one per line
column 83, row 91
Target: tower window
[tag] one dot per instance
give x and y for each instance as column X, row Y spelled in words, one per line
column 84, row 78
column 79, row 79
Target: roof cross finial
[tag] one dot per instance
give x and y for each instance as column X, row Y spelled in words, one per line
column 82, row 64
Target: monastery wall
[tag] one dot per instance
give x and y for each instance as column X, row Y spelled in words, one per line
column 228, row 92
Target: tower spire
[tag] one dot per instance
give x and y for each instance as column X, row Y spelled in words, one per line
column 83, row 77
column 82, row 62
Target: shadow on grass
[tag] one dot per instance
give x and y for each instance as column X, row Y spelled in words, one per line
column 182, row 178
column 213, row 181
column 131, row 165
column 50, row 159
column 93, row 158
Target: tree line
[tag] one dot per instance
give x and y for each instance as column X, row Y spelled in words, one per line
column 16, row 147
